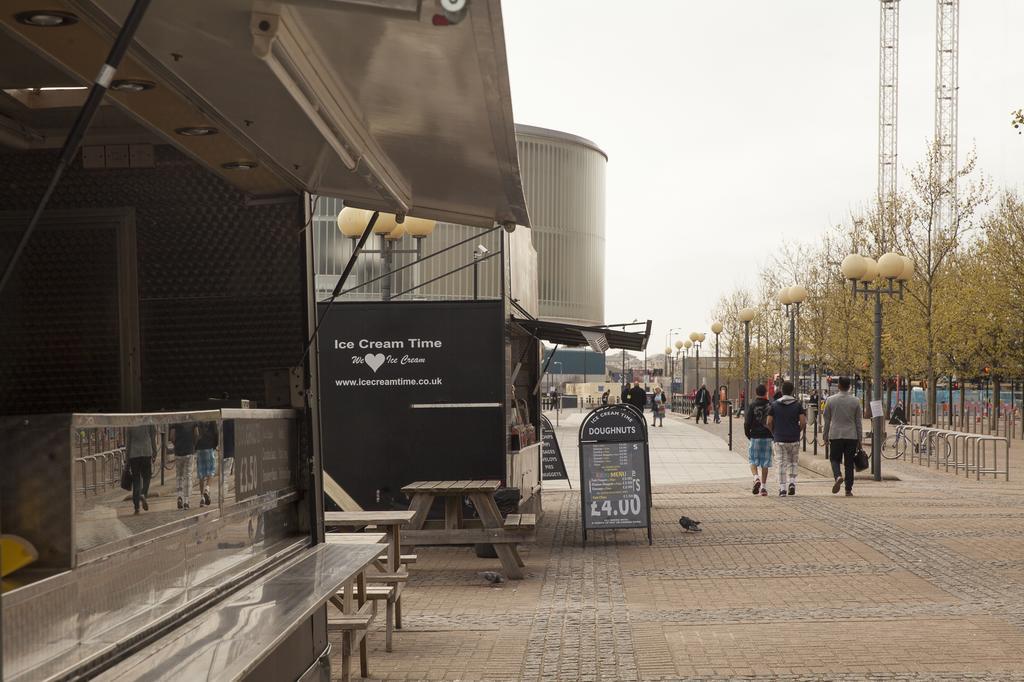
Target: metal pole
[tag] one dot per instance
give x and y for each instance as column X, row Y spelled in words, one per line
column 684, row 372
column 876, row 379
column 476, row 277
column 746, row 366
column 792, row 343
column 385, row 284
column 718, row 390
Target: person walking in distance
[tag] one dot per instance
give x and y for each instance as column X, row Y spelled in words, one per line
column 206, row 448
column 658, row 407
column 141, row 449
column 702, row 400
column 637, row 397
column 787, row 419
column 184, row 437
column 844, row 432
column 759, row 453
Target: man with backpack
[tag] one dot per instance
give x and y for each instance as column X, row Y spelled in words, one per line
column 787, row 419
column 759, row 452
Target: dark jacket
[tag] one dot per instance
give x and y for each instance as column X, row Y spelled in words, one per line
column 207, row 436
column 785, row 413
column 703, row 396
column 637, row 397
column 754, row 421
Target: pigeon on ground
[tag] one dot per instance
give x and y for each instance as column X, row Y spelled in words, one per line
column 689, row 524
column 492, row 577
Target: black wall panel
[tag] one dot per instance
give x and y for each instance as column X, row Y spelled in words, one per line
column 221, row 284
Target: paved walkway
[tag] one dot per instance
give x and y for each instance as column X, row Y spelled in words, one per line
column 917, row 579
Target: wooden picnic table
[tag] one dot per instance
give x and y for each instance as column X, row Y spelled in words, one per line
column 392, row 571
column 504, row 534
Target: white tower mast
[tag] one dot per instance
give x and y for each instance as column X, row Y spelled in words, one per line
column 888, row 57
column 947, row 39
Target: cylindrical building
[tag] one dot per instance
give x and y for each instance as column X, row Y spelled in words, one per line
column 564, row 180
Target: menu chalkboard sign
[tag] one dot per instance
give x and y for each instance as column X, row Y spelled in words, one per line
column 552, row 464
column 615, row 470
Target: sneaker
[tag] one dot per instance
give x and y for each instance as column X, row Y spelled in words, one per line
column 136, row 511
column 206, row 497
column 757, row 485
column 764, row 491
column 782, row 492
column 181, row 504
column 849, row 493
column 837, row 485
column 145, row 504
column 202, row 502
column 792, row 488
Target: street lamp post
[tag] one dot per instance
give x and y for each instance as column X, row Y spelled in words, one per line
column 746, row 315
column 861, row 272
column 679, row 349
column 687, row 345
column 716, row 328
column 792, row 297
column 668, row 348
column 697, row 338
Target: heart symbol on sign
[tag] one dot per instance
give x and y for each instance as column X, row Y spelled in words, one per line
column 374, row 361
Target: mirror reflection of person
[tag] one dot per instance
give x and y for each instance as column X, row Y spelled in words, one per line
column 184, row 437
column 206, row 447
column 141, row 450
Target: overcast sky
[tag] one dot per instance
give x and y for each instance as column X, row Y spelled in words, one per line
column 732, row 125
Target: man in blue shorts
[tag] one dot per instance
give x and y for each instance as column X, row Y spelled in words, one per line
column 759, row 454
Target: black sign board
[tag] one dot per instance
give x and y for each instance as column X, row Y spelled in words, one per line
column 411, row 391
column 552, row 464
column 263, row 450
column 615, row 470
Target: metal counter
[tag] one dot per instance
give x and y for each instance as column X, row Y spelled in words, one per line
column 106, row 576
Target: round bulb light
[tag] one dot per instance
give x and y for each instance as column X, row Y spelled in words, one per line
column 419, row 227
column 694, row 336
column 679, row 344
column 746, row 314
column 853, row 266
column 890, row 265
column 352, row 221
column 668, row 350
column 386, row 222
column 785, row 298
column 908, row 269
column 717, row 327
column 396, row 233
column 700, row 336
column 688, row 344
column 797, row 293
column 871, row 271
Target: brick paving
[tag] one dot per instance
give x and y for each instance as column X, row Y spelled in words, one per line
column 921, row 578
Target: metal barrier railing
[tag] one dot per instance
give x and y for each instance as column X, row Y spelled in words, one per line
column 967, row 452
column 105, row 467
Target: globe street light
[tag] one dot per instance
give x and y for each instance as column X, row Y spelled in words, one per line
column 351, row 221
column 716, row 329
column 679, row 349
column 792, row 296
column 746, row 315
column 861, row 271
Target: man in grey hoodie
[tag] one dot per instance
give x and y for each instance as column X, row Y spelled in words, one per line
column 844, row 431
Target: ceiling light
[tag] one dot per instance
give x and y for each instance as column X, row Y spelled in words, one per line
column 196, row 131
column 239, row 165
column 45, row 18
column 132, row 85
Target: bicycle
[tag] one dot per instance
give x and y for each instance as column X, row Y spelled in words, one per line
column 902, row 443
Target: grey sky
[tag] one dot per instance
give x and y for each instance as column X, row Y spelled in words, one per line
column 732, row 125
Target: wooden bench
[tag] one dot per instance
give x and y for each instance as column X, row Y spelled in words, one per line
column 390, row 568
column 456, row 530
